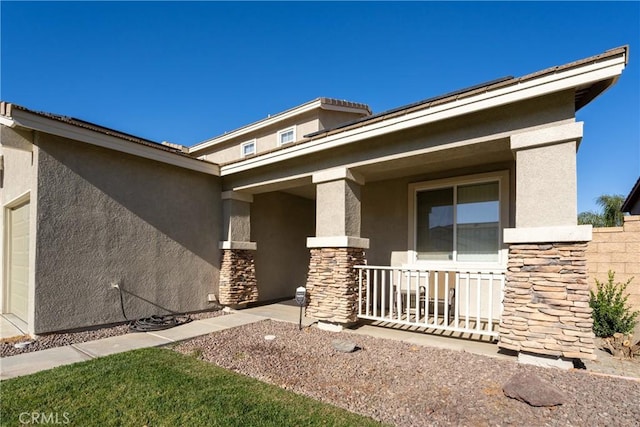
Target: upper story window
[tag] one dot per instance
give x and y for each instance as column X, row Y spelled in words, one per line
column 248, row 148
column 287, row 136
column 459, row 221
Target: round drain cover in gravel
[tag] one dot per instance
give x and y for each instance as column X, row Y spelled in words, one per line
column 22, row 344
column 269, row 337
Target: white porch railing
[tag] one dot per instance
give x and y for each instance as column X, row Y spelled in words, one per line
column 453, row 300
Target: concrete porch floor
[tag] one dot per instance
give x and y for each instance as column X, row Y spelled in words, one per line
column 289, row 311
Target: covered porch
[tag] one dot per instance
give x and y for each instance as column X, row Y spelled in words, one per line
column 463, row 226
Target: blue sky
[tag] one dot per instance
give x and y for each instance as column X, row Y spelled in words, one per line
column 185, row 72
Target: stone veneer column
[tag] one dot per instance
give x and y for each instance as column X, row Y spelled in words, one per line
column 332, row 282
column 546, row 301
column 238, row 285
column 546, row 314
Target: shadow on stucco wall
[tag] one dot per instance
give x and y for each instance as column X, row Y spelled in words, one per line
column 106, row 217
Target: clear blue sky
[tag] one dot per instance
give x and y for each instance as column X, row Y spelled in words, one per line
column 185, row 72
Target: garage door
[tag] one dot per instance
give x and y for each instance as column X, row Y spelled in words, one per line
column 18, row 291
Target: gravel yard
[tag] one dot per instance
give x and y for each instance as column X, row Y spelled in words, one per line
column 403, row 384
column 44, row 342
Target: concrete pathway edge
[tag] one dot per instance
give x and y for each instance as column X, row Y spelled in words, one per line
column 30, row 363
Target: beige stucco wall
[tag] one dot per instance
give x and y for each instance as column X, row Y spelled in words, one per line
column 617, row 249
column 106, row 217
column 331, row 118
column 547, row 186
column 385, row 213
column 280, row 225
column 236, row 220
column 338, row 209
column 19, row 184
column 266, row 138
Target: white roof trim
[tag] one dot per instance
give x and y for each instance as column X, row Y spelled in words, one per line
column 568, row 233
column 67, row 130
column 544, row 85
column 7, row 122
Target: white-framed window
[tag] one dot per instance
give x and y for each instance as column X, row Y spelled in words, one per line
column 459, row 221
column 287, row 136
column 248, row 148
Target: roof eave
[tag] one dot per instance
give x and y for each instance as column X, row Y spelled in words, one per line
column 605, row 67
column 632, row 198
column 24, row 118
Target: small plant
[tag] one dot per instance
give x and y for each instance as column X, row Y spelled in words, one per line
column 610, row 311
column 196, row 353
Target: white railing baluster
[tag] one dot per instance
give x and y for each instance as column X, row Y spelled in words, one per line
column 375, row 293
column 436, row 283
column 368, row 296
column 399, row 296
column 417, row 300
column 426, row 297
column 360, row 292
column 468, row 308
column 382, row 289
column 391, row 283
column 456, row 312
column 445, row 297
column 502, row 279
column 408, row 295
column 478, row 288
column 405, row 284
column 490, row 311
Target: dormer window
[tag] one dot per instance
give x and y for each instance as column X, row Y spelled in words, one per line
column 287, row 136
column 249, row 148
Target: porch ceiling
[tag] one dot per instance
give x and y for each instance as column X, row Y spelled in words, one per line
column 439, row 161
column 458, row 158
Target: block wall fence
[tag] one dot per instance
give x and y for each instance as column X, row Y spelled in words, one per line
column 617, row 249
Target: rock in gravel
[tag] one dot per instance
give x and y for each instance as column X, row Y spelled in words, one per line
column 345, row 346
column 532, row 390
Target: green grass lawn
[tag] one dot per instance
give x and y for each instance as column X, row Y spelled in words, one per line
column 159, row 387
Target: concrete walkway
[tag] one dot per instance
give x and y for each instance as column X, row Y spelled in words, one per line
column 29, row 363
column 286, row 311
column 11, row 326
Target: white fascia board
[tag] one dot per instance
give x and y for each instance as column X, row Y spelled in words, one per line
column 337, row 174
column 231, row 244
column 557, row 234
column 5, row 121
column 518, row 92
column 66, row 130
column 337, row 242
column 256, row 125
column 293, row 180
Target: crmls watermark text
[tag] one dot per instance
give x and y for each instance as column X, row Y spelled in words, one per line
column 51, row 418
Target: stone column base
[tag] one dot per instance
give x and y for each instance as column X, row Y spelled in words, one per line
column 546, row 301
column 332, row 284
column 238, row 284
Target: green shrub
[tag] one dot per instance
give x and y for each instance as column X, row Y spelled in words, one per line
column 610, row 311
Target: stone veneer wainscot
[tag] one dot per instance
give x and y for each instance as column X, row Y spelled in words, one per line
column 546, row 301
